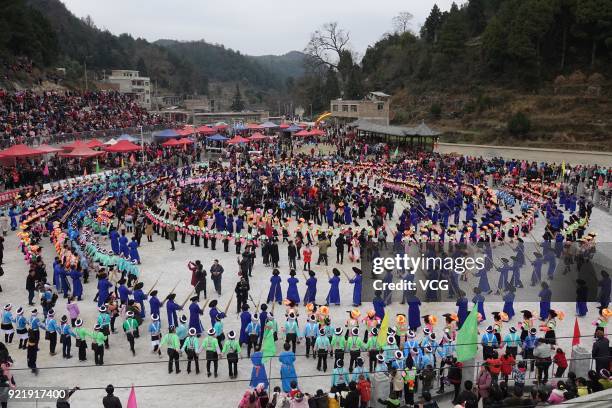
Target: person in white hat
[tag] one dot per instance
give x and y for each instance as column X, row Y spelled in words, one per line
column 191, row 346
column 81, row 334
column 211, row 345
column 130, row 327
column 7, row 323
column 231, row 350
column 51, row 329
column 155, row 333
column 173, row 343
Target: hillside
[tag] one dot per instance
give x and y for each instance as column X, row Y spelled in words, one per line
column 48, row 34
column 289, row 65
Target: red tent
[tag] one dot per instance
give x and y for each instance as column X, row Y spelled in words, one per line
column 284, row 126
column 20, row 150
column 186, row 131
column 205, row 129
column 257, row 136
column 237, row 139
column 171, row 143
column 123, row 146
column 82, row 151
column 74, row 145
column 185, row 141
column 254, row 126
column 317, row 132
column 93, row 143
column 45, row 148
column 303, row 133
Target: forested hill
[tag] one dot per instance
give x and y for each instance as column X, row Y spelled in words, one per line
column 46, row 32
column 520, row 43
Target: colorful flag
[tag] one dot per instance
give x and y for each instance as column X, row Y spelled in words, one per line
column 268, row 346
column 381, row 339
column 576, row 338
column 122, row 163
column 563, row 169
column 132, row 399
column 467, row 337
column 396, row 152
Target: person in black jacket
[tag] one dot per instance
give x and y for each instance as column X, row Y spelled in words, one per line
column 352, row 398
column 31, row 286
column 242, row 293
column 110, row 401
column 340, row 241
column 467, row 396
column 292, row 253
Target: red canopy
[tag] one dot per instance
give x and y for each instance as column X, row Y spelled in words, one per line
column 123, row 146
column 185, row 141
column 317, row 132
column 237, row 139
column 93, row 143
column 74, row 145
column 303, row 133
column 205, row 129
column 185, row 131
column 82, row 151
column 171, row 143
column 45, row 148
column 254, row 126
column 284, row 126
column 257, row 136
column 20, row 150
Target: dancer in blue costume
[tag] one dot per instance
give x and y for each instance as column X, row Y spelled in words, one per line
column 195, row 311
column 123, row 245
column 171, row 309
column 275, row 294
column 311, row 288
column 582, row 294
column 292, row 290
column 414, row 312
column 483, row 283
column 333, row 297
column 479, row 300
column 462, row 308
column 103, row 286
column 356, row 281
column 287, row 370
column 114, row 240
column 245, row 319
column 545, row 295
column 258, row 373
column 509, row 302
column 133, row 246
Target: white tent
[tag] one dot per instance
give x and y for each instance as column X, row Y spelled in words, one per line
column 111, row 142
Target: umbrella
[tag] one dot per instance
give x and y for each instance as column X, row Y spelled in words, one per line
column 20, row 150
column 217, row 138
column 168, row 133
column 257, row 136
column 127, row 137
column 75, row 144
column 111, row 142
column 93, row 143
column 45, row 148
column 81, row 151
column 123, row 146
column 237, row 139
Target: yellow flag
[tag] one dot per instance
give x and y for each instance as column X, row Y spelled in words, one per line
column 381, row 339
column 563, row 169
column 122, row 163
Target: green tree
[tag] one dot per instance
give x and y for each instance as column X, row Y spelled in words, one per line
column 142, row 67
column 519, row 124
column 429, row 30
column 332, row 86
column 237, row 103
column 494, row 44
column 353, row 88
column 345, row 64
column 453, row 33
column 594, row 22
column 476, row 16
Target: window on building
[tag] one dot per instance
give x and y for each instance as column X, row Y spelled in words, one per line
column 334, row 108
column 345, row 108
column 381, row 106
column 353, row 108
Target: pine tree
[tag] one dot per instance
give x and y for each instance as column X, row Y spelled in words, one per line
column 237, row 104
column 332, row 86
column 476, row 16
column 353, row 88
column 429, row 31
column 141, row 67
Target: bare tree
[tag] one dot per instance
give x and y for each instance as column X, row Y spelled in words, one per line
column 401, row 22
column 326, row 45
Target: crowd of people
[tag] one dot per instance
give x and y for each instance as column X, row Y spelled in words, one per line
column 30, row 117
column 308, row 203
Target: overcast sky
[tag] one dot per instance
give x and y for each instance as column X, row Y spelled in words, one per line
column 254, row 27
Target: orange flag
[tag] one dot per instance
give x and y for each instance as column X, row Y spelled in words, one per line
column 576, row 338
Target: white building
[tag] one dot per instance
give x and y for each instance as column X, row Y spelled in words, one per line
column 130, row 82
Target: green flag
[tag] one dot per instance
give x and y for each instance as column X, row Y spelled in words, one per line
column 97, row 166
column 467, row 336
column 268, row 346
column 396, row 152
column 381, row 339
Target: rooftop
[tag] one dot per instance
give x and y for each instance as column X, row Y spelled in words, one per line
column 421, row 130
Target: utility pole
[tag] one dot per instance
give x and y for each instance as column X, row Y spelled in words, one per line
column 85, row 62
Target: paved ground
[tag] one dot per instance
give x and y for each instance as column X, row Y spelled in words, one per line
column 149, row 373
